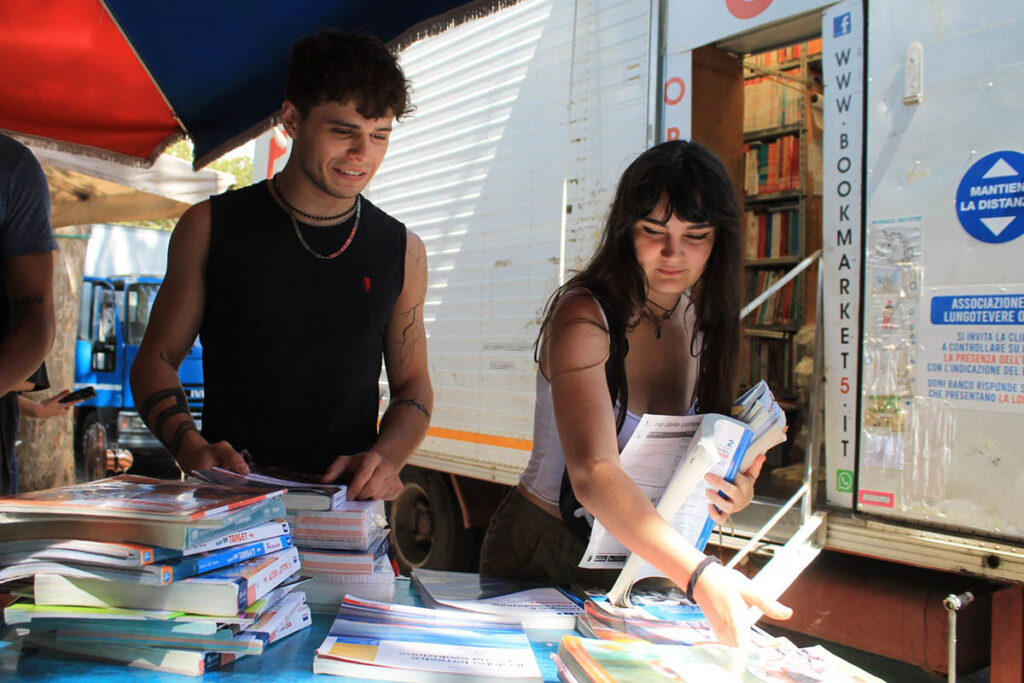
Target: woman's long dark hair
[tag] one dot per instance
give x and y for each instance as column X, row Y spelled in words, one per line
column 699, row 190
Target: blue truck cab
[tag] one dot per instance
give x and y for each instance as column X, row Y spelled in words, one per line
column 112, row 320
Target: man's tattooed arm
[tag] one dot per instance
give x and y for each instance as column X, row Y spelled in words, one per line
column 156, row 412
column 411, row 402
column 411, row 335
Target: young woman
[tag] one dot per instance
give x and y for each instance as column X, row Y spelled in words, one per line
column 650, row 325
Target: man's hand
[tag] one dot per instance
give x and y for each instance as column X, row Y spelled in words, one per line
column 737, row 494
column 370, row 476
column 202, row 455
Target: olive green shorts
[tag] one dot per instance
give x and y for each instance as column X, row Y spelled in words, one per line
column 525, row 542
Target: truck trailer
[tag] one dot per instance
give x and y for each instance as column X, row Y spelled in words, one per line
column 894, row 318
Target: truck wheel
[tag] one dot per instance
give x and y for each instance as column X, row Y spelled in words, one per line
column 85, row 426
column 426, row 524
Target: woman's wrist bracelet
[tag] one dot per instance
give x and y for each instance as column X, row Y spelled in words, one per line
column 697, row 571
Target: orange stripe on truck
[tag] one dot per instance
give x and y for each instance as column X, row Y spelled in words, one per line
column 485, row 439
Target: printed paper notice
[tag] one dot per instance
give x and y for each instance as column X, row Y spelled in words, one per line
column 973, row 338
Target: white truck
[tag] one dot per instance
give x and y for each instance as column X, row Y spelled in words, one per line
column 525, row 119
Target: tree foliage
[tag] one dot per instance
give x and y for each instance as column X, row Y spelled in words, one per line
column 238, row 166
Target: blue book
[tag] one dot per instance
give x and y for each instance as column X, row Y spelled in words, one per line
column 221, row 592
column 204, row 562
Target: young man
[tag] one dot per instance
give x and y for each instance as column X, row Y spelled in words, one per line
column 27, row 319
column 297, row 286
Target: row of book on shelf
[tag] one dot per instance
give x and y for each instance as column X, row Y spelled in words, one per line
column 780, row 308
column 768, row 357
column 189, row 576
column 183, row 577
column 774, row 100
column 784, row 54
column 773, row 233
column 772, row 165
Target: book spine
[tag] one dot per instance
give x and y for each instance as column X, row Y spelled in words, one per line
column 730, row 476
column 243, row 536
column 267, row 577
column 215, row 660
column 282, row 624
column 271, row 510
column 191, row 566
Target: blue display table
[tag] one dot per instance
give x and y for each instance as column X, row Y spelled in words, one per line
column 288, row 660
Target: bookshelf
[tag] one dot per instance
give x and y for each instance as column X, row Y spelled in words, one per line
column 782, row 213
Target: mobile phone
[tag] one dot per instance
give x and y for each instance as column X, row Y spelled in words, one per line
column 84, row 393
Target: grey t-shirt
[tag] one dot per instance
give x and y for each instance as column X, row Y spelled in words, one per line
column 24, row 229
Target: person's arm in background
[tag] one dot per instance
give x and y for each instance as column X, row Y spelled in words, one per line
column 173, row 325
column 30, row 291
column 48, row 407
column 375, row 473
column 573, row 355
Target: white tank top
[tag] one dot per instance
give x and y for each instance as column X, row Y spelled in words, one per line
column 543, row 474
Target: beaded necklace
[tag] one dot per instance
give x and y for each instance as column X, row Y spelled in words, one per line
column 343, row 216
column 291, row 211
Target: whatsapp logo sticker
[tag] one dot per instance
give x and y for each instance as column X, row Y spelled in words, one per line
column 844, row 481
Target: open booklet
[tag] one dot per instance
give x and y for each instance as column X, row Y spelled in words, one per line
column 680, row 450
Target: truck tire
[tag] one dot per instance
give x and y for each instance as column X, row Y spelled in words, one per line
column 426, row 524
column 85, row 425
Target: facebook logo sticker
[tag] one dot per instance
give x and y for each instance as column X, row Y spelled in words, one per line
column 841, row 25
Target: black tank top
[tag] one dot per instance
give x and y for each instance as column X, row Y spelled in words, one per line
column 292, row 344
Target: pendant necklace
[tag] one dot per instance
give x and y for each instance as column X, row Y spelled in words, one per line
column 344, row 216
column 658, row 320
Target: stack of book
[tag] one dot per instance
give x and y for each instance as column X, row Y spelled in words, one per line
column 668, row 457
column 534, row 605
column 659, row 633
column 585, row 659
column 169, row 576
column 382, row 641
column 342, row 544
column 764, row 416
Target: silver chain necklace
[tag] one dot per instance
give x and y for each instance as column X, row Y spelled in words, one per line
column 327, row 257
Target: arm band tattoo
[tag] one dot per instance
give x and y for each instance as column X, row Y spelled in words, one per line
column 179, row 434
column 168, row 413
column 411, row 402
column 156, row 397
column 179, row 407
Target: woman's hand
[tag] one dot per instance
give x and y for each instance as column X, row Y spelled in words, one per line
column 726, row 596
column 47, row 408
column 737, row 494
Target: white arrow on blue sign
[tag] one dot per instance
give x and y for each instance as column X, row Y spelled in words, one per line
column 990, row 199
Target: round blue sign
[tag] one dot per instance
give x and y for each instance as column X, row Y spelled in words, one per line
column 990, row 199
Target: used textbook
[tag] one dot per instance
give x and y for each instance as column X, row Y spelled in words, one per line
column 601, row 661
column 137, row 498
column 401, row 643
column 125, row 555
column 182, row 516
column 222, row 592
column 534, row 605
column 157, row 573
column 301, row 492
column 681, row 450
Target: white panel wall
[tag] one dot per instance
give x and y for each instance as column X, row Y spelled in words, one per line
column 960, row 461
